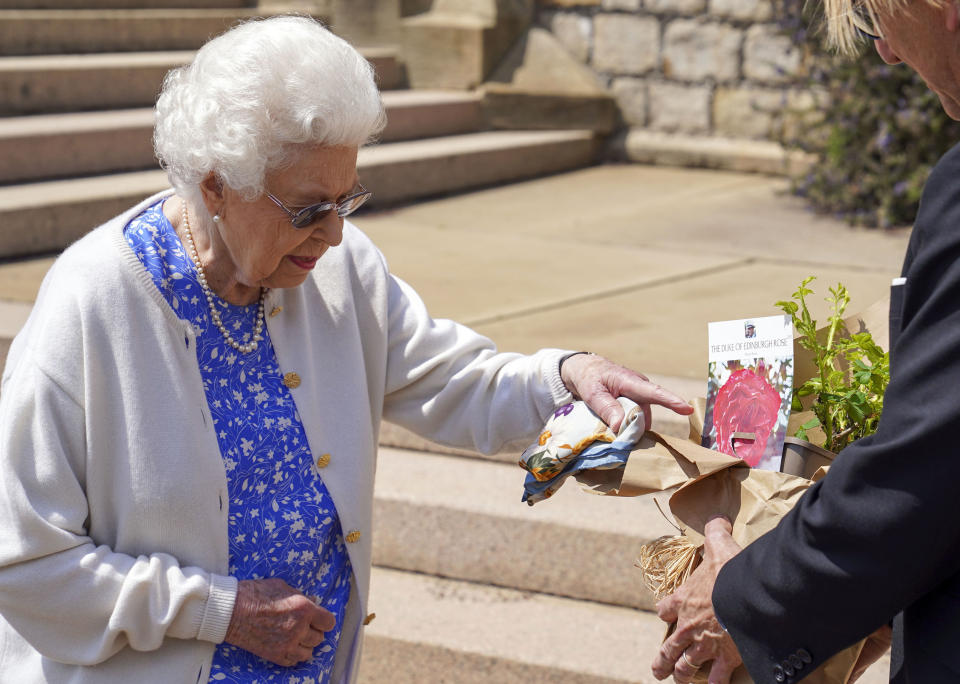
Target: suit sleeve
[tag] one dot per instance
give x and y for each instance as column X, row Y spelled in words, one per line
column 881, row 530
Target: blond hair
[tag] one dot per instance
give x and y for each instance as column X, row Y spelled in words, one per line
column 844, row 27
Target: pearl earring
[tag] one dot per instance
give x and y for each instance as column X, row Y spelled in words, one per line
column 216, row 218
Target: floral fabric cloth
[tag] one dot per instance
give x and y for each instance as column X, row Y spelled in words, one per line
column 576, row 439
column 282, row 521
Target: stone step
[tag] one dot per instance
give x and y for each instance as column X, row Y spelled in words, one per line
column 463, row 518
column 47, row 146
column 406, row 171
column 417, row 114
column 45, row 84
column 44, row 217
column 430, row 629
column 13, row 315
column 38, row 218
column 45, row 32
column 390, row 69
column 34, row 148
column 120, row 4
column 68, row 83
column 671, row 149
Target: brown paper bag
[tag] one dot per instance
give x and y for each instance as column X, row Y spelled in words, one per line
column 709, row 483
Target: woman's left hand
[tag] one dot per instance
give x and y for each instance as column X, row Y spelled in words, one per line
column 598, row 382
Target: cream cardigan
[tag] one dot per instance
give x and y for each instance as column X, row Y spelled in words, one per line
column 113, row 506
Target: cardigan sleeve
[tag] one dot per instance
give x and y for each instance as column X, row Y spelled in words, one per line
column 881, row 529
column 449, row 383
column 73, row 600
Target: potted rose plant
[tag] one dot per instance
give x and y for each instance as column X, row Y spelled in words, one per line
column 841, row 396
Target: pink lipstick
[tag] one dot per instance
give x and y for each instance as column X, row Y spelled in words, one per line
column 306, row 263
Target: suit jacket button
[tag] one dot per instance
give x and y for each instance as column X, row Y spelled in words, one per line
column 804, row 655
column 787, row 668
column 796, row 662
column 778, row 674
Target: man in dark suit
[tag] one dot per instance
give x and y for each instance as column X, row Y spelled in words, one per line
column 878, row 540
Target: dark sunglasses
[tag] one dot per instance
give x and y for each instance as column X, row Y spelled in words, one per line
column 301, row 218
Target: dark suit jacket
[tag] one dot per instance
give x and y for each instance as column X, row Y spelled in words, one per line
column 880, row 535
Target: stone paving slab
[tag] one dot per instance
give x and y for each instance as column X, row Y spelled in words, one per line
column 699, row 210
column 512, row 277
column 663, row 328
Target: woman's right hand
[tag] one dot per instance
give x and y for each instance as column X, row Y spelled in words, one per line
column 273, row 620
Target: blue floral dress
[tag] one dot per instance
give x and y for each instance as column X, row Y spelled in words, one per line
column 282, row 520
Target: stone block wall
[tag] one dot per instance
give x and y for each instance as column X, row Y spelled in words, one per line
column 693, row 67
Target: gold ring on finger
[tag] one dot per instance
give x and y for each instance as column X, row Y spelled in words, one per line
column 683, row 654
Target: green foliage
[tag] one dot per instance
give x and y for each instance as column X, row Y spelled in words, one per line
column 876, row 135
column 853, row 371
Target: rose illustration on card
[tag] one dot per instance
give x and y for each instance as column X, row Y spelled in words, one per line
column 745, row 404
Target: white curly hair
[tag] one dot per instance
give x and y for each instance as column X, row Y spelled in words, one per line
column 258, row 95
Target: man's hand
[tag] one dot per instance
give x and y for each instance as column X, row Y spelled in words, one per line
column 273, row 620
column 598, row 382
column 699, row 638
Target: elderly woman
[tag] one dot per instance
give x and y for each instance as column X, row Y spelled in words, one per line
column 189, row 419
column 877, row 541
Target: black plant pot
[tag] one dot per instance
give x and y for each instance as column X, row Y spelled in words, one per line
column 802, row 458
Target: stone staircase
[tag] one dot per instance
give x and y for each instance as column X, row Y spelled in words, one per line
column 78, row 80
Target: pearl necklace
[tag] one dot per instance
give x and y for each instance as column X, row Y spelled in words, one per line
column 214, row 314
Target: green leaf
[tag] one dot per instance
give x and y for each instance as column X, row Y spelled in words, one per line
column 788, row 307
column 857, row 407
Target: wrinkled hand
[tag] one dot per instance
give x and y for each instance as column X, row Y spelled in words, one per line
column 598, row 382
column 273, row 620
column 876, row 645
column 699, row 638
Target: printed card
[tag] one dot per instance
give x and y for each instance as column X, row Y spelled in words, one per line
column 749, row 389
